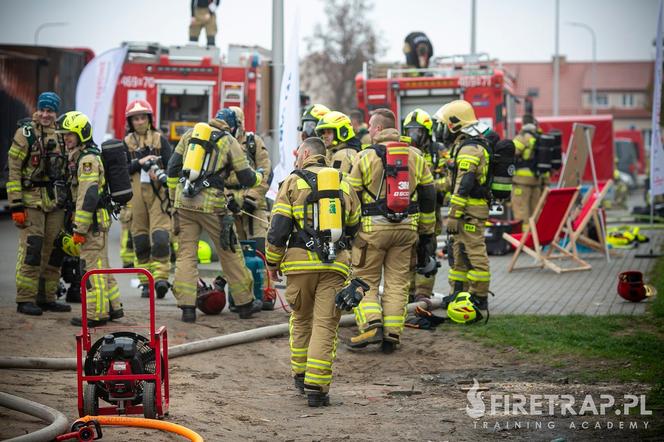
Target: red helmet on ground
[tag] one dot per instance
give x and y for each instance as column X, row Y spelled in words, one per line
column 632, row 288
column 138, row 107
column 210, row 301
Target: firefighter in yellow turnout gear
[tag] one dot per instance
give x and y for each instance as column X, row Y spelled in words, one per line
column 387, row 240
column 251, row 203
column 527, row 184
column 418, row 126
column 469, row 204
column 337, row 133
column 298, row 247
column 91, row 218
column 36, row 162
column 148, row 151
column 198, row 168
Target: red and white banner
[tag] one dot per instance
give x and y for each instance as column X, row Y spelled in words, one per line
column 96, row 87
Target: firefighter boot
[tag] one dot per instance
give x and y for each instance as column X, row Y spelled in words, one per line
column 245, row 311
column 389, row 344
column 372, row 336
column 317, row 398
column 29, row 308
column 54, row 307
column 77, row 321
column 188, row 313
column 145, row 290
column 116, row 314
column 161, row 287
column 298, row 381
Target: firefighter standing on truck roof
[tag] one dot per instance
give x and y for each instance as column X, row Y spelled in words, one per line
column 250, row 203
column 418, row 127
column 337, row 133
column 469, row 204
column 91, row 219
column 198, row 168
column 35, row 162
column 148, row 151
column 313, row 275
column 385, row 244
column 527, row 184
column 203, row 16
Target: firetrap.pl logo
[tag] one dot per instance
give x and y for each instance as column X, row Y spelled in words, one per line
column 536, row 411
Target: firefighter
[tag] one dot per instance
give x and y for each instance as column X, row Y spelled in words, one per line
column 337, row 133
column 87, row 185
column 148, row 152
column 35, row 162
column 203, row 158
column 251, row 203
column 388, row 238
column 126, row 244
column 203, row 15
column 313, row 276
column 360, row 127
column 418, row 127
column 469, row 204
column 310, row 118
column 527, row 184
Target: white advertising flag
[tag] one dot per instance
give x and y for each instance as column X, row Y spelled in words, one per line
column 289, row 115
column 96, row 87
column 656, row 152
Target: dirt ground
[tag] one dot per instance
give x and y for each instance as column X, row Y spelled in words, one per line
column 245, row 392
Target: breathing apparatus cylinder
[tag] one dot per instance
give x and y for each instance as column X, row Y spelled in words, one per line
column 329, row 207
column 197, row 155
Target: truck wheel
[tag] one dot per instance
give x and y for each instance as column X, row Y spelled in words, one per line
column 90, row 400
column 149, row 399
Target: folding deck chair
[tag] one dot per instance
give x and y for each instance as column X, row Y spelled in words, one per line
column 545, row 229
column 589, row 212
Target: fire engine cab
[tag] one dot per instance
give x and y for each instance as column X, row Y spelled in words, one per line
column 185, row 85
column 474, row 78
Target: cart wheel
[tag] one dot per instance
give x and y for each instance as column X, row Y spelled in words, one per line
column 149, row 395
column 90, row 400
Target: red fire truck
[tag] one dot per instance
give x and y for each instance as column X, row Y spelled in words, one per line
column 476, row 79
column 185, row 85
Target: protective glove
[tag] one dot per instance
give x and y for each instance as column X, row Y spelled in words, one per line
column 78, row 238
column 249, row 205
column 453, row 225
column 19, row 215
column 231, row 204
column 228, row 238
column 349, row 297
column 427, row 264
column 212, row 7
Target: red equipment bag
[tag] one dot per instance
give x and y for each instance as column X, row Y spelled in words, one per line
column 632, row 288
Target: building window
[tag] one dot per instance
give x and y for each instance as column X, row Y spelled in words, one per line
column 628, row 100
column 601, row 100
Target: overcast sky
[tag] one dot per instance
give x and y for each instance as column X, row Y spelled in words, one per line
column 511, row 30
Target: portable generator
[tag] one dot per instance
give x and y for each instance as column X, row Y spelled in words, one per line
column 124, row 369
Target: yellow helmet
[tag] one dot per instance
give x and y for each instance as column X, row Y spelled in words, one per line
column 204, row 252
column 76, row 122
column 417, row 126
column 310, row 118
column 340, row 123
column 66, row 242
column 462, row 310
column 458, row 115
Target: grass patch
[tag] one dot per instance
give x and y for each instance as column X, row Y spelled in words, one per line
column 607, row 348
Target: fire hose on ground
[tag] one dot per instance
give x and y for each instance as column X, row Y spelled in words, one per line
column 58, row 423
column 189, row 348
